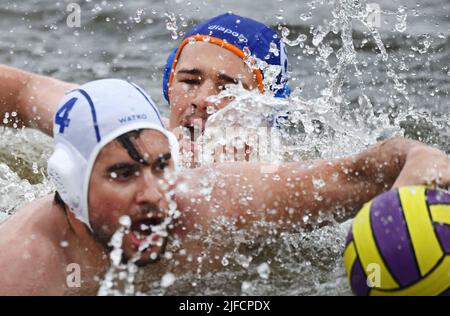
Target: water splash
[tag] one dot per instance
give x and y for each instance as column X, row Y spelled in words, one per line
column 400, row 26
column 334, row 124
column 175, row 24
column 22, row 177
column 328, row 126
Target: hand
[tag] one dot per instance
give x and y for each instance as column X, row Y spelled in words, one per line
column 425, row 165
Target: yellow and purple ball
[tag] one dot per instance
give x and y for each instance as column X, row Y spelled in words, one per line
column 399, row 244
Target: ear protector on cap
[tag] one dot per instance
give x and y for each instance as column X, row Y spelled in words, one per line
column 64, row 163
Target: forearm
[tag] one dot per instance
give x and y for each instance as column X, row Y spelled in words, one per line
column 292, row 193
column 296, row 190
column 382, row 163
column 33, row 98
column 357, row 179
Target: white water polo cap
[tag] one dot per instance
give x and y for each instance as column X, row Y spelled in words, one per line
column 87, row 119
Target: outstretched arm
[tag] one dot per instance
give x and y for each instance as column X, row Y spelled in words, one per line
column 32, row 97
column 245, row 193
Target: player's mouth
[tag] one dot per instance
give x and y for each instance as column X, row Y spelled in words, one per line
column 143, row 230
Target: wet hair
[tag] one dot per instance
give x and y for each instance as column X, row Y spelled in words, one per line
column 126, row 141
column 59, row 201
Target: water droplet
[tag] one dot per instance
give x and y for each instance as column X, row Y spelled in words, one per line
column 167, row 280
column 137, row 18
column 400, row 26
column 153, row 256
column 274, row 49
column 305, row 219
column 245, row 286
column 125, row 221
column 116, row 256
column 317, row 196
column 318, row 183
column 244, row 261
column 225, row 261
column 168, row 255
column 263, row 270
column 35, row 168
column 305, row 17
column 29, row 196
column 171, row 25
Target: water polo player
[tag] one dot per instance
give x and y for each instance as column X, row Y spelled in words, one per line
column 114, row 165
column 227, row 49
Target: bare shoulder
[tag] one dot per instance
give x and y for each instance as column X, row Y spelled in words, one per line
column 32, row 264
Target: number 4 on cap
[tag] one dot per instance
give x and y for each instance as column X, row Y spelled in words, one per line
column 62, row 116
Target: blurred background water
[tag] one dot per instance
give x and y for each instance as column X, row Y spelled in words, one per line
column 132, row 39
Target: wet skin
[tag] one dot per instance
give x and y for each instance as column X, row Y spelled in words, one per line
column 37, row 230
